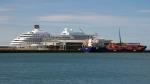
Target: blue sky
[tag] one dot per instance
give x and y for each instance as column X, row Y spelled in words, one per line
column 104, row 17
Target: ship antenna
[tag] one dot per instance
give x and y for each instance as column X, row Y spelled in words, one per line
column 120, row 37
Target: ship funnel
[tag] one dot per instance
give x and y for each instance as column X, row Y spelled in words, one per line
column 36, row 27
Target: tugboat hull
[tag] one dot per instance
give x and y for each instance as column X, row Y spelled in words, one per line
column 125, row 47
column 89, row 49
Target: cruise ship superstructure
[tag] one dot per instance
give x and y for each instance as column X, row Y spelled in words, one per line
column 31, row 38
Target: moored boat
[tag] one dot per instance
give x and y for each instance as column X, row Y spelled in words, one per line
column 125, row 47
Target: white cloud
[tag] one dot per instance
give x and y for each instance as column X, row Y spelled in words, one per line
column 56, row 18
column 95, row 19
column 68, row 17
column 5, row 9
column 4, row 18
column 144, row 11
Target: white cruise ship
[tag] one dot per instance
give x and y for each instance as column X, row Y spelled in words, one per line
column 31, row 38
column 67, row 40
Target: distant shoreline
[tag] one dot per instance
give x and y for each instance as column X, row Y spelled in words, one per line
column 68, row 51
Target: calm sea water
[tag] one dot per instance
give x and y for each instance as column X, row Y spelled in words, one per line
column 74, row 68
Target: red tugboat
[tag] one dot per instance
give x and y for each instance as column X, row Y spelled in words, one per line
column 131, row 47
column 125, row 47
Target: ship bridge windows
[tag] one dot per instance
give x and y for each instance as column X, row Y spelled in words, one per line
column 16, row 40
column 24, row 36
column 27, row 34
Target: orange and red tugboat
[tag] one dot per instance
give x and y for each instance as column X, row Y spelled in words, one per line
column 125, row 47
column 131, row 47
